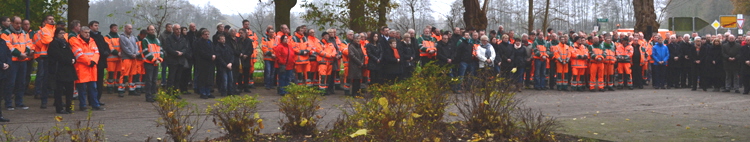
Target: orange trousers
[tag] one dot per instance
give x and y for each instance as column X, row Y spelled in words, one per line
column 577, row 74
column 301, row 70
column 609, row 72
column 625, row 71
column 324, row 70
column 596, row 76
column 562, row 71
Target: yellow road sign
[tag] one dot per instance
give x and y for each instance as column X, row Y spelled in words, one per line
column 728, row 21
column 716, row 24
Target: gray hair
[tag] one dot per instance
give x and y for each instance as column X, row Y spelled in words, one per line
column 697, row 38
column 349, row 32
column 85, row 28
column 356, row 35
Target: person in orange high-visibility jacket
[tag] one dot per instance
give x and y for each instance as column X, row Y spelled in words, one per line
column 579, row 56
column 646, row 49
column 365, row 71
column 254, row 56
column 114, row 62
column 624, row 56
column 345, row 62
column 427, row 50
column 268, row 43
column 562, row 59
column 301, row 48
column 87, row 57
column 129, row 66
column 20, row 46
column 42, row 38
column 329, row 57
column 541, row 55
column 314, row 46
column 596, row 65
column 152, row 58
column 609, row 63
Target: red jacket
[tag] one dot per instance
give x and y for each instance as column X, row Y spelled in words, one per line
column 284, row 56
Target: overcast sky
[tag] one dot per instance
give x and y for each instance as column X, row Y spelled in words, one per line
column 440, row 7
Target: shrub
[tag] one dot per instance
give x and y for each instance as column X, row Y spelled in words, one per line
column 80, row 131
column 409, row 110
column 179, row 117
column 238, row 115
column 489, row 108
column 300, row 108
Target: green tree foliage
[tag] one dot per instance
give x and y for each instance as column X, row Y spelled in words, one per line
column 741, row 7
column 335, row 14
column 39, row 9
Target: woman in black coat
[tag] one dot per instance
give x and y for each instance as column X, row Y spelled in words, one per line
column 356, row 64
column 713, row 69
column 392, row 62
column 375, row 55
column 62, row 71
column 518, row 61
column 204, row 64
column 410, row 49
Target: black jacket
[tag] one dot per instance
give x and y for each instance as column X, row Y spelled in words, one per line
column 103, row 48
column 375, row 53
column 245, row 46
column 446, row 51
column 60, row 63
column 465, row 51
column 390, row 63
column 518, row 56
column 171, row 46
column 744, row 69
column 5, row 58
column 204, row 66
column 224, row 56
column 409, row 52
column 675, row 50
column 503, row 51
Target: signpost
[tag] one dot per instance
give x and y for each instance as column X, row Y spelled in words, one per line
column 716, row 26
column 740, row 21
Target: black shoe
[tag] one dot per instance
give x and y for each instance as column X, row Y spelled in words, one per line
column 120, row 94
column 186, row 93
column 736, row 91
column 716, row 90
column 178, row 97
column 630, row 88
column 43, row 106
column 3, row 119
column 704, row 89
column 98, row 108
column 150, row 99
column 601, row 90
column 83, row 109
column 725, row 91
column 593, row 90
column 101, row 104
column 211, row 96
column 694, row 89
column 247, row 91
column 204, row 97
column 611, row 89
column 63, row 112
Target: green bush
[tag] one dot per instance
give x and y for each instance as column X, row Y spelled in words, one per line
column 179, row 117
column 300, row 108
column 409, row 110
column 238, row 115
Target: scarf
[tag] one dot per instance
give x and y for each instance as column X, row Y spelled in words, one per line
column 517, row 46
column 395, row 53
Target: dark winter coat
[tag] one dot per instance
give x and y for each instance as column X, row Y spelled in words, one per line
column 204, row 66
column 356, row 58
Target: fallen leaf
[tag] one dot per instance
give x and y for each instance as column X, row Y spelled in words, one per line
column 358, row 133
column 687, row 128
column 452, row 114
column 627, row 119
column 679, row 125
column 602, row 123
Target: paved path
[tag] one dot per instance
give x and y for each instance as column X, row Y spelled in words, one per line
column 629, row 115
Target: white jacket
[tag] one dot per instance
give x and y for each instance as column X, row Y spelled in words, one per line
column 481, row 51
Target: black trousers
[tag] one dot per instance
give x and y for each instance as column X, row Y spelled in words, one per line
column 376, row 77
column 174, row 78
column 150, row 79
column 685, row 74
column 551, row 73
column 356, row 85
column 64, row 88
column 693, row 76
column 673, row 77
column 745, row 81
column 244, row 76
column 100, row 81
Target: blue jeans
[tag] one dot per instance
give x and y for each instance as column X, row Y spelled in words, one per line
column 268, row 74
column 518, row 76
column 204, row 90
column 16, row 85
column 540, row 73
column 227, row 81
column 284, row 80
column 87, row 92
column 473, row 67
column 40, row 84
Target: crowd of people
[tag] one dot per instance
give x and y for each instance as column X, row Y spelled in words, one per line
column 81, row 61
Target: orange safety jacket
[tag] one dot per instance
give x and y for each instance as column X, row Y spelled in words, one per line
column 625, row 52
column 151, row 50
column 364, row 50
column 300, row 46
column 85, row 53
column 18, row 43
column 42, row 39
column 113, row 39
column 327, row 54
column 267, row 47
column 315, row 46
column 579, row 55
column 609, row 55
column 427, row 46
column 562, row 52
column 597, row 53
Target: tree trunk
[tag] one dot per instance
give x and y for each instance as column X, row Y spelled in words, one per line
column 531, row 16
column 545, row 23
column 475, row 17
column 79, row 10
column 357, row 16
column 645, row 17
column 413, row 22
column 282, row 12
column 382, row 12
